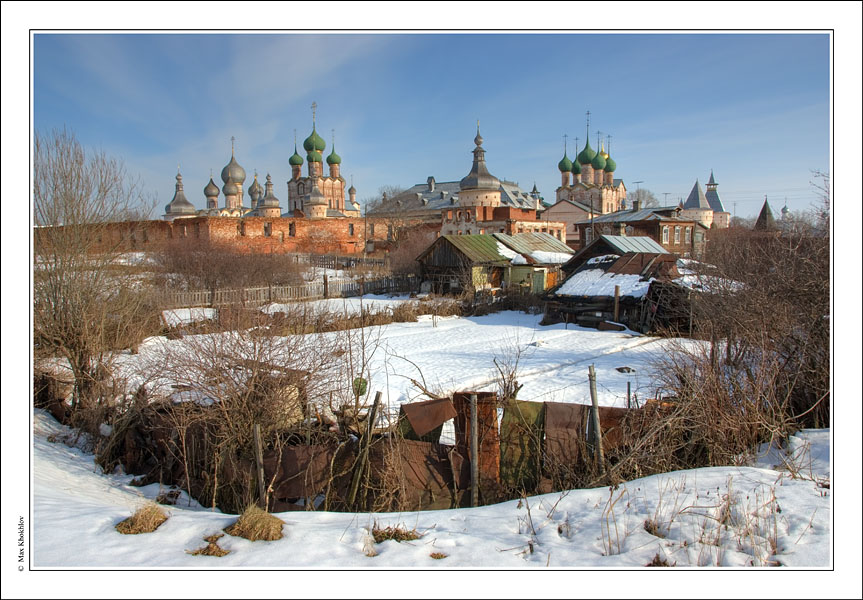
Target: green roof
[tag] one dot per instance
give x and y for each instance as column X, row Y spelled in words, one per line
column 478, row 248
column 525, row 243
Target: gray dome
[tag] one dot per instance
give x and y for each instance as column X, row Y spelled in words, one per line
column 211, row 190
column 479, row 177
column 231, row 189
column 179, row 205
column 255, row 190
column 233, row 172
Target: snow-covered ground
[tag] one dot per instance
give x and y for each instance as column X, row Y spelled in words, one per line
column 725, row 516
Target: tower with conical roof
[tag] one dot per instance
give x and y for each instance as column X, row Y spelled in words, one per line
column 721, row 217
column 479, row 187
column 268, row 206
column 765, row 220
column 179, row 206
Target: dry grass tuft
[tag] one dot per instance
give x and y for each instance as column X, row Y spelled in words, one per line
column 438, row 555
column 399, row 534
column 256, row 524
column 659, row 562
column 212, row 548
column 145, row 520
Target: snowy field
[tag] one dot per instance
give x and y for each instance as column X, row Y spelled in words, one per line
column 775, row 513
column 765, row 516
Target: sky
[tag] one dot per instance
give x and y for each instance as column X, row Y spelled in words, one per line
column 752, row 107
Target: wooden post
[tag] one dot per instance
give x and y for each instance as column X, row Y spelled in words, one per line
column 259, row 459
column 474, row 453
column 362, row 459
column 628, row 394
column 616, row 303
column 326, row 286
column 594, row 417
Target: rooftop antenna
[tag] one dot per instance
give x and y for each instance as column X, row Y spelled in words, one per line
column 637, row 184
column 665, row 200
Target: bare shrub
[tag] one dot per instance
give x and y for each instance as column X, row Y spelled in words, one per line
column 438, row 555
column 399, row 533
column 145, row 520
column 256, row 524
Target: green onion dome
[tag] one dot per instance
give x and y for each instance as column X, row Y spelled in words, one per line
column 333, row 158
column 610, row 165
column 295, row 160
column 598, row 162
column 314, row 142
column 565, row 164
column 587, row 155
column 576, row 168
column 314, row 156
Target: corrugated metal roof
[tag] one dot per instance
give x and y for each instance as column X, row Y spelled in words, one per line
column 478, row 248
column 420, row 198
column 623, row 244
column 666, row 213
column 525, row 243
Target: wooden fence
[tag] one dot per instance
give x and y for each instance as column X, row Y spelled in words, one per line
column 289, row 293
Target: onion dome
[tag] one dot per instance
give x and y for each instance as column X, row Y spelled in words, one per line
column 295, row 160
column 179, row 205
column 565, row 164
column 333, row 158
column 479, row 177
column 610, row 165
column 598, row 162
column 352, row 189
column 314, row 156
column 314, row 142
column 587, row 155
column 211, row 190
column 233, row 172
column 269, row 198
column 255, row 190
column 576, row 168
column 231, row 189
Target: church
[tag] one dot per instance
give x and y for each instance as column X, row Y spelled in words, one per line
column 316, row 195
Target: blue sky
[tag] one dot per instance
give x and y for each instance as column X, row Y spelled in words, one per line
column 755, row 108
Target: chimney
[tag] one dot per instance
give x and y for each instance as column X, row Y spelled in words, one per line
column 636, row 204
column 443, row 195
column 430, row 181
column 621, row 229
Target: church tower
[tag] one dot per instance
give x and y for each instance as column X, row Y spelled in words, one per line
column 479, row 187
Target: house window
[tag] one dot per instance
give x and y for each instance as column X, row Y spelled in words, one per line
column 268, row 229
column 372, row 230
column 688, row 235
column 292, row 230
column 389, row 233
column 699, row 236
column 629, row 230
column 588, row 235
column 677, row 235
column 350, row 229
column 665, row 234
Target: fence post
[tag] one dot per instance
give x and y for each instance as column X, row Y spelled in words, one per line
column 616, row 303
column 259, row 459
column 628, row 394
column 326, row 286
column 594, row 418
column 362, row 459
column 474, row 453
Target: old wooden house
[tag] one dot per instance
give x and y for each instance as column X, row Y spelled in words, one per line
column 530, row 261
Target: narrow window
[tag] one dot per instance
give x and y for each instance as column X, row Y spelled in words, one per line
column 372, row 229
column 268, row 229
column 677, row 235
column 390, row 233
column 292, row 230
column 197, row 230
column 665, row 234
column 688, row 235
column 184, row 231
column 351, row 229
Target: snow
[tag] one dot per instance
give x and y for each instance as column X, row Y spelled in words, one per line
column 186, row 316
column 515, row 257
column 596, row 282
column 777, row 519
column 550, row 258
column 351, row 306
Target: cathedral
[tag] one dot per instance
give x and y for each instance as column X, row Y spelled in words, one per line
column 314, row 196
column 589, row 179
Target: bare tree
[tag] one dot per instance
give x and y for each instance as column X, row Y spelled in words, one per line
column 81, row 310
column 646, row 198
